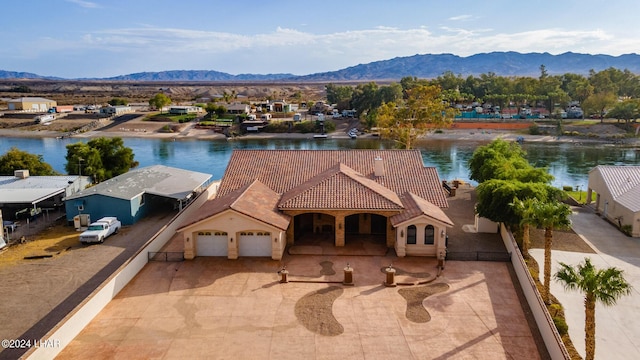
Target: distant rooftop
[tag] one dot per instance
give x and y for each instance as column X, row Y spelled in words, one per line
column 33, row 189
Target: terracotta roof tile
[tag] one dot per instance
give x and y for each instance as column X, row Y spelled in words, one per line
column 416, row 206
column 254, row 200
column 284, row 170
column 340, row 187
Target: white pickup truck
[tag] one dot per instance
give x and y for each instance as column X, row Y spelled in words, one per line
column 100, row 230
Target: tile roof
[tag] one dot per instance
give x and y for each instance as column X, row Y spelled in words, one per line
column 255, row 200
column 623, row 183
column 284, row 170
column 340, row 187
column 416, row 206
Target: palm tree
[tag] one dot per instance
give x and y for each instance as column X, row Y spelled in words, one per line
column 526, row 211
column 550, row 215
column 598, row 285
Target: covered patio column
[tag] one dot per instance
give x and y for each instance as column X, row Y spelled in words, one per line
column 339, row 229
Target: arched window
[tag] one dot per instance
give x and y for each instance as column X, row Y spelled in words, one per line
column 429, row 235
column 411, row 234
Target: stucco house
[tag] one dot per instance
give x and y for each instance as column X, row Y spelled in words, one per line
column 617, row 195
column 269, row 199
column 134, row 194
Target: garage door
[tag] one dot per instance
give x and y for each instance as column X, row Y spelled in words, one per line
column 254, row 243
column 212, row 243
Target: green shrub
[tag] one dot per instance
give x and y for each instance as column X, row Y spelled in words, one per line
column 561, row 325
column 627, row 229
column 534, row 129
column 438, row 131
column 276, row 127
column 554, row 309
column 567, row 188
column 305, row 127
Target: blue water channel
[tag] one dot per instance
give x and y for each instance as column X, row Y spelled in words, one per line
column 568, row 163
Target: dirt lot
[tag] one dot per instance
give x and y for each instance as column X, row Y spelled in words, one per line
column 55, row 241
column 37, row 294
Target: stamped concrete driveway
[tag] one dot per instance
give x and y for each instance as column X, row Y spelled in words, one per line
column 214, row 308
column 617, row 327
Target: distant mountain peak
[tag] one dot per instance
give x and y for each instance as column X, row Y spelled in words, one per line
column 509, row 63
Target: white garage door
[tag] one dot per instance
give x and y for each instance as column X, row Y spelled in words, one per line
column 212, row 243
column 254, row 243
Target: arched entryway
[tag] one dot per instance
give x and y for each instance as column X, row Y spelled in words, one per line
column 310, row 227
column 365, row 227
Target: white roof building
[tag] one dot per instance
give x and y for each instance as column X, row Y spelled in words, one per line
column 618, row 195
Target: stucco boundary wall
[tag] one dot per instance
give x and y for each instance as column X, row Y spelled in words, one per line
column 550, row 335
column 80, row 317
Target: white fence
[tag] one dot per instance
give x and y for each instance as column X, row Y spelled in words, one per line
column 550, row 335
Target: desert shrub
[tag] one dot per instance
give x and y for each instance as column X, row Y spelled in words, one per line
column 554, row 309
column 305, row 127
column 438, row 131
column 561, row 325
column 627, row 229
column 276, row 127
column 534, row 129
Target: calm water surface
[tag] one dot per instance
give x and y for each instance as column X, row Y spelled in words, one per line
column 569, row 163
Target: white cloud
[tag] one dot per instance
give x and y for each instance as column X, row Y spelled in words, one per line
column 460, row 17
column 84, row 4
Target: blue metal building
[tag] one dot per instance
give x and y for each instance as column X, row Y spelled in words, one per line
column 132, row 195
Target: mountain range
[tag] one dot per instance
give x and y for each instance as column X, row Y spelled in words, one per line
column 421, row 66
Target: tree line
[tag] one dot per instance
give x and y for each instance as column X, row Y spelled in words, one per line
column 610, row 92
column 101, row 158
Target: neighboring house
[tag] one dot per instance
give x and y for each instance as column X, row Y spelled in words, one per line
column 36, row 104
column 618, row 194
column 281, row 106
column 132, row 195
column 321, row 107
column 269, row 199
column 180, row 110
column 23, row 195
column 115, row 110
column 238, row 109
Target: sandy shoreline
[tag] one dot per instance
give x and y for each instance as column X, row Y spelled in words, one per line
column 199, row 134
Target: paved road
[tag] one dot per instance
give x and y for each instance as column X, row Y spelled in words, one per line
column 617, row 327
column 35, row 296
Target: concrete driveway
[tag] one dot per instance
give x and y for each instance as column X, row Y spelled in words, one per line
column 617, row 327
column 214, row 308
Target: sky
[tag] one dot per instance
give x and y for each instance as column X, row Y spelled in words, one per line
column 105, row 38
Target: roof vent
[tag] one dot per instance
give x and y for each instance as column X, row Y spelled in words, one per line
column 378, row 166
column 21, row 174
